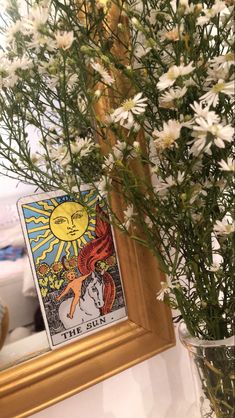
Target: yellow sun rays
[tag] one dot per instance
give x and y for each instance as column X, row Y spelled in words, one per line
column 59, row 252
column 42, row 212
column 40, row 236
column 47, row 237
column 41, row 219
column 48, row 250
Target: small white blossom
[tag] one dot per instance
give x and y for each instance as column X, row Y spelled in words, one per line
column 103, row 186
column 129, row 215
column 212, row 96
column 82, row 104
column 16, row 27
column 125, row 113
column 224, row 227
column 108, row 162
column 21, row 63
column 228, row 165
column 166, row 138
column 211, row 12
column 203, row 111
column 106, row 78
column 72, row 81
column 37, row 18
column 224, row 61
column 160, row 186
column 166, row 289
column 118, row 149
column 60, row 155
column 82, row 146
column 214, row 267
column 148, row 222
column 64, row 40
column 169, row 78
column 167, row 99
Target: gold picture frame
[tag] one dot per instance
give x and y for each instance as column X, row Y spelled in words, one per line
column 40, row 382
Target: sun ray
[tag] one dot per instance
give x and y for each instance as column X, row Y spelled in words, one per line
column 38, row 228
column 60, row 249
column 83, row 240
column 40, row 236
column 89, row 200
column 67, row 248
column 37, row 220
column 92, row 221
column 55, row 203
column 75, row 247
column 88, row 234
column 46, row 206
column 91, row 228
column 88, row 195
column 33, row 209
column 42, row 243
column 47, row 250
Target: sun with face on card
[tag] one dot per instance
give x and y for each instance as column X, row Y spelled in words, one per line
column 60, row 228
column 69, row 221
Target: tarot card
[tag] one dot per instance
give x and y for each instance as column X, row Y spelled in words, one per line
column 74, row 263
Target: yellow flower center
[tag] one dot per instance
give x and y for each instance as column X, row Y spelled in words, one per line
column 218, row 87
column 128, row 105
column 230, row 56
column 171, row 74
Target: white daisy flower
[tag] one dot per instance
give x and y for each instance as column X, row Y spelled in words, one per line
column 22, row 63
column 103, row 185
column 160, row 186
column 167, row 99
column 72, row 81
column 129, row 215
column 224, row 61
column 214, row 267
column 187, row 8
column 108, row 162
column 64, row 40
column 203, row 111
column 224, row 227
column 212, row 12
column 169, row 78
column 221, row 133
column 167, row 137
column 166, row 289
column 130, row 107
column 106, row 78
column 228, row 165
column 41, row 41
column 60, row 155
column 212, row 96
column 118, row 149
column 37, row 18
column 16, row 27
column 82, row 146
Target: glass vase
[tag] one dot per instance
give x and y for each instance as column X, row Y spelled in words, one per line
column 213, row 368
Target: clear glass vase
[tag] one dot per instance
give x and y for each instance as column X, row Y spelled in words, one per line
column 213, row 368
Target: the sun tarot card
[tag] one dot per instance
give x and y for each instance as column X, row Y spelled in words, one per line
column 74, row 262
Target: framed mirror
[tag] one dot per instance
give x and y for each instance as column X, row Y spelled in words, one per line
column 36, row 384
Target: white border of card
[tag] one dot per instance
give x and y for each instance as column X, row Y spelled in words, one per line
column 40, row 236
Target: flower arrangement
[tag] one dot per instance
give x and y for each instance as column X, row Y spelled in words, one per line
column 164, row 70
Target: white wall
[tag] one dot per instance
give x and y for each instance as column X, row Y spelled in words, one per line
column 160, row 387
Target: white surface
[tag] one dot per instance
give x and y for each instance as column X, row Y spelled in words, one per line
column 21, row 309
column 160, row 387
column 25, row 348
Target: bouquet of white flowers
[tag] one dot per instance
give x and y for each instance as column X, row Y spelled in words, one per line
column 134, row 97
